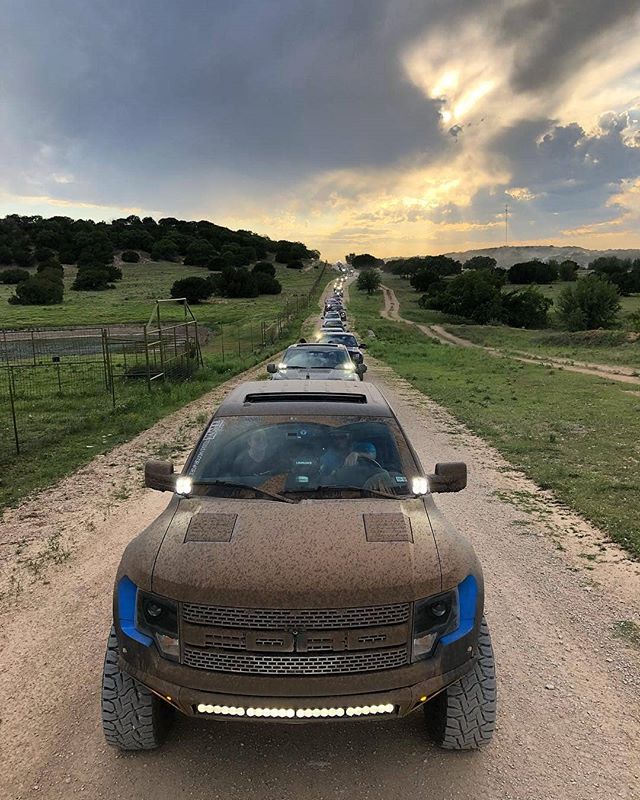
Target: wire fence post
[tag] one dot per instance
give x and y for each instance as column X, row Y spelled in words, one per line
column 33, row 347
column 238, row 338
column 12, row 402
column 112, row 382
column 146, row 356
column 160, row 342
column 222, row 341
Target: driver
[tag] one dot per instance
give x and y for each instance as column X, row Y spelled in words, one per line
column 361, row 468
column 253, row 460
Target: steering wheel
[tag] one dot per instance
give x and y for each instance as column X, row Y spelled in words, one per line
column 364, row 457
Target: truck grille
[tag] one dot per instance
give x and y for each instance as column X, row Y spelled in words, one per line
column 268, row 664
column 321, row 618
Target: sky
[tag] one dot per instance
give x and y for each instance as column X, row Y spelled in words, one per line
column 396, row 127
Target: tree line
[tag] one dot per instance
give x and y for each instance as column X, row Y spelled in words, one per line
column 49, row 244
column 477, row 290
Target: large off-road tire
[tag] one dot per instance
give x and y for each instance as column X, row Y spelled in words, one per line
column 133, row 718
column 463, row 716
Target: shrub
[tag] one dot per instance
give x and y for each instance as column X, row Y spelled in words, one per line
column 480, row 262
column 194, row 289
column 265, row 267
column 474, row 295
column 568, row 270
column 164, row 250
column 369, row 281
column 92, row 279
column 11, row 276
column 130, row 256
column 217, row 263
column 532, row 272
column 6, row 257
column 424, row 279
column 527, row 308
column 51, row 264
column 295, row 265
column 23, row 258
column 267, row 284
column 364, row 261
column 43, row 254
column 590, row 303
column 232, row 282
column 38, row 291
column 199, row 253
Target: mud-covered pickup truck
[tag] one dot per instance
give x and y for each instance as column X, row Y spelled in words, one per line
column 301, row 572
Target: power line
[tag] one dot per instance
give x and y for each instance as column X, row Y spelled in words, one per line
column 506, row 223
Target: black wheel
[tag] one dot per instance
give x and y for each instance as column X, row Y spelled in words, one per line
column 133, row 718
column 463, row 716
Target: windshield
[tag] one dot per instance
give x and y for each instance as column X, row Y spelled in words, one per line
column 321, row 358
column 346, row 339
column 300, row 456
column 332, row 323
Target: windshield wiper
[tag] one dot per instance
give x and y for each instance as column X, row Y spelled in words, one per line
column 372, row 492
column 258, row 490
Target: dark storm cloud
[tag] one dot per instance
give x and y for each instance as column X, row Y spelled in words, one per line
column 155, row 89
column 558, row 36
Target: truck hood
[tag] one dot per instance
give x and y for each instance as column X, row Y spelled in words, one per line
column 312, row 554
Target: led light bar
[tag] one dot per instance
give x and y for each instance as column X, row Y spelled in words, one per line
column 300, row 713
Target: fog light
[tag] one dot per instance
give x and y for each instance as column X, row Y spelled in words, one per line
column 169, row 645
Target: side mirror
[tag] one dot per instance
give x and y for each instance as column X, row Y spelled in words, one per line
column 159, row 475
column 362, row 346
column 361, row 369
column 271, row 368
column 448, row 477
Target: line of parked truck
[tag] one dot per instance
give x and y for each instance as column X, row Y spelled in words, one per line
column 335, row 354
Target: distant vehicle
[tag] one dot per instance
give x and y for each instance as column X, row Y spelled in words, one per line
column 331, row 314
column 333, row 325
column 322, row 362
column 349, row 341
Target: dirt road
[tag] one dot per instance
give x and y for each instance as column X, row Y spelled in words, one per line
column 391, row 311
column 569, row 717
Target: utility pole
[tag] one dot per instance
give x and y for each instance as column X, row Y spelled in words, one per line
column 506, row 224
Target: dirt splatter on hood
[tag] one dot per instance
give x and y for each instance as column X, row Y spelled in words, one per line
column 315, row 553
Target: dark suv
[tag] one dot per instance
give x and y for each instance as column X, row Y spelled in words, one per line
column 301, row 572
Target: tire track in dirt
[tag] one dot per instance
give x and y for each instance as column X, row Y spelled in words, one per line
column 391, row 311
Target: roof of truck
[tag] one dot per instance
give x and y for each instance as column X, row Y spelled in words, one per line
column 327, row 398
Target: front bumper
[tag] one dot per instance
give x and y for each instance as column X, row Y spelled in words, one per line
column 404, row 689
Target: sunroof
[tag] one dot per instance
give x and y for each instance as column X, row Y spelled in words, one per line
column 305, row 397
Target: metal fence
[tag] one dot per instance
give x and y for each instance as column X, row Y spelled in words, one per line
column 50, row 378
column 55, row 383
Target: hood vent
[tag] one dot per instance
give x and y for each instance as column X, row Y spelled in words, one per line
column 387, row 528
column 211, row 528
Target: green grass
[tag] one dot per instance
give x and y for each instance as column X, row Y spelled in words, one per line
column 408, row 299
column 133, row 299
column 61, row 432
column 574, row 434
column 602, row 347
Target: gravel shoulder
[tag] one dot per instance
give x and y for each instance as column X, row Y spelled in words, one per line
column 569, row 716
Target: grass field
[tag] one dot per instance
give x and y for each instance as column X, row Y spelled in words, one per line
column 574, row 434
column 64, row 431
column 601, row 347
column 133, row 298
column 604, row 347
